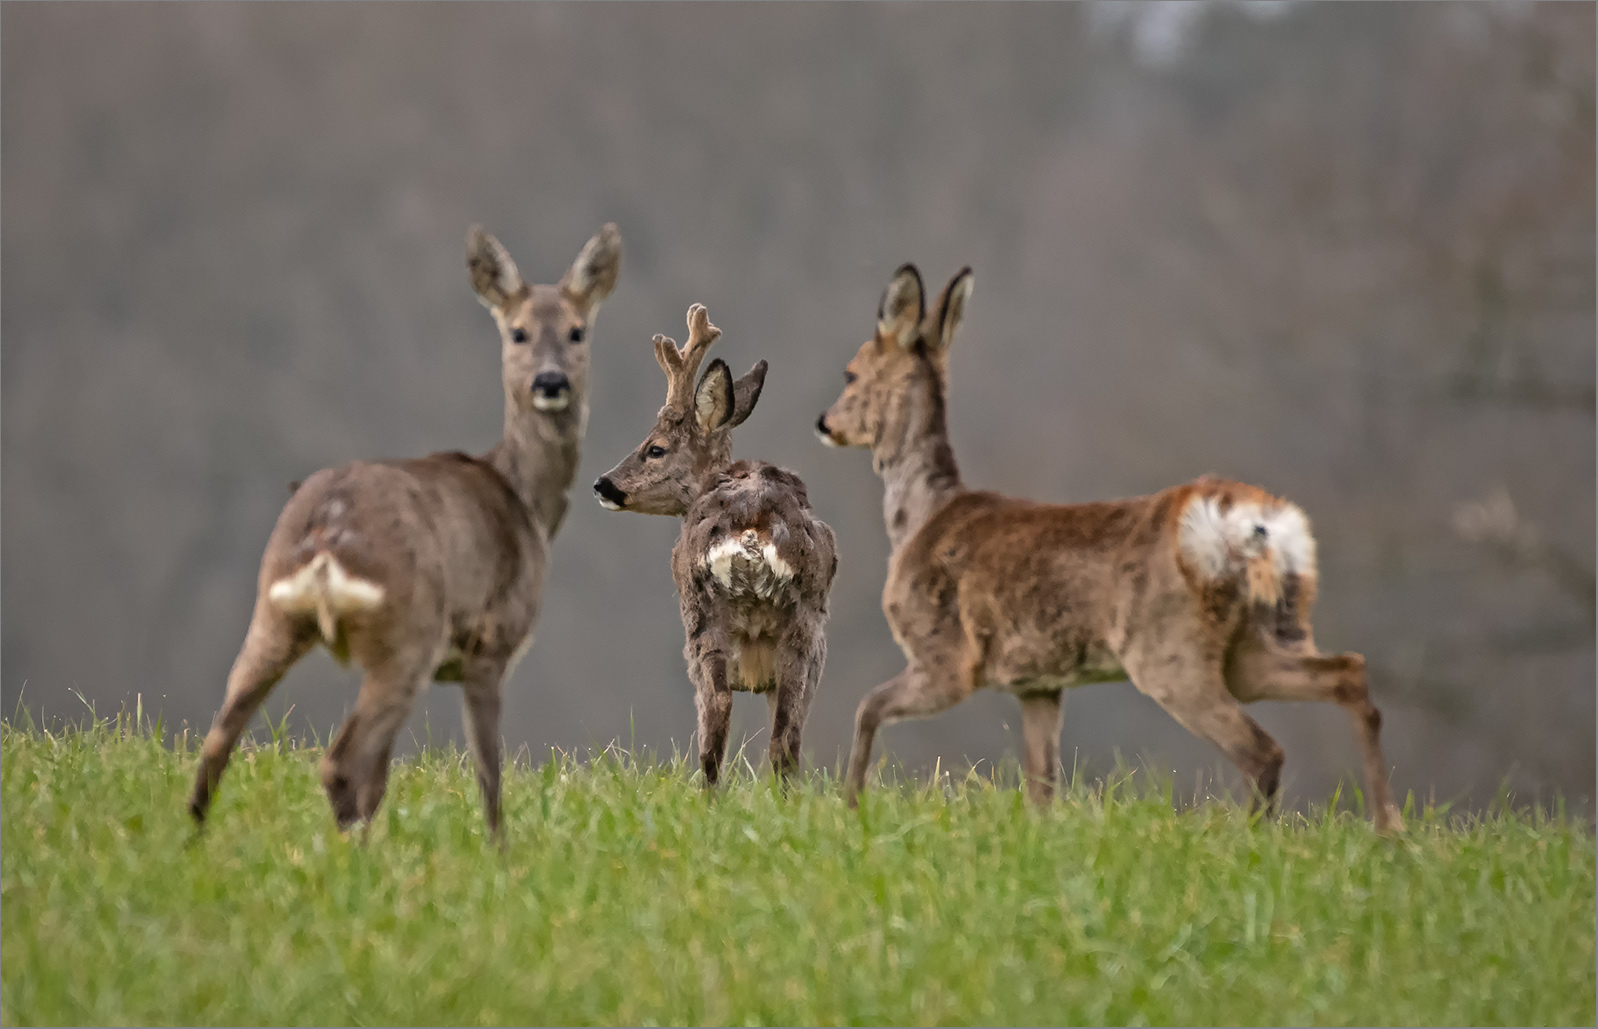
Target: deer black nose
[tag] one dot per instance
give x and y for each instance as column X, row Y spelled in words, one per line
column 821, row 424
column 609, row 494
column 551, row 384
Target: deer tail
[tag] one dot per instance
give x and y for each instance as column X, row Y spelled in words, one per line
column 1264, row 544
column 322, row 586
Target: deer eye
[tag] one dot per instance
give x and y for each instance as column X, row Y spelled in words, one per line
column 655, row 451
column 849, row 377
column 577, row 334
column 518, row 335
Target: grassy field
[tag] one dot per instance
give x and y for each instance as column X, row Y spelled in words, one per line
column 627, row 896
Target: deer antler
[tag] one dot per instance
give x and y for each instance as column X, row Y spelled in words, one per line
column 682, row 365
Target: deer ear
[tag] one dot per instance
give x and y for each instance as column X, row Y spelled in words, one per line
column 903, row 306
column 714, row 400
column 494, row 274
column 746, row 393
column 593, row 275
column 951, row 307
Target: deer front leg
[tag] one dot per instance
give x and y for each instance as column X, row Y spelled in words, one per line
column 482, row 687
column 271, row 647
column 713, row 700
column 910, row 694
column 1042, row 716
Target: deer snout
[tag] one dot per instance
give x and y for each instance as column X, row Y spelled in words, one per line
column 824, row 432
column 551, row 391
column 611, row 497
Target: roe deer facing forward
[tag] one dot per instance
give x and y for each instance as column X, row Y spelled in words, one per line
column 430, row 568
column 753, row 566
column 1200, row 594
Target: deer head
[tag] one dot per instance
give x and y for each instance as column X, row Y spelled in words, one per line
column 692, row 437
column 543, row 329
column 910, row 346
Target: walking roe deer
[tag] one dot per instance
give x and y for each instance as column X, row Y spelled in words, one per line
column 1200, row 594
column 432, row 568
column 753, row 566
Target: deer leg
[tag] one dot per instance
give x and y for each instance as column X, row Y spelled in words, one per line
column 798, row 672
column 912, row 693
column 481, row 690
column 355, row 767
column 1191, row 689
column 271, row 646
column 1042, row 716
column 1260, row 671
column 713, row 700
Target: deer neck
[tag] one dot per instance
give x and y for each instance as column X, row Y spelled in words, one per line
column 917, row 467
column 538, row 456
column 706, row 471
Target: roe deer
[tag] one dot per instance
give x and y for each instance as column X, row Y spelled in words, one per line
column 1200, row 594
column 429, row 569
column 753, row 566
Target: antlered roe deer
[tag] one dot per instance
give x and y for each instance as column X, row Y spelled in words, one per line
column 1200, row 594
column 753, row 565
column 429, row 569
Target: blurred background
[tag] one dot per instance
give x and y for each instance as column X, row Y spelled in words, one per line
column 1343, row 251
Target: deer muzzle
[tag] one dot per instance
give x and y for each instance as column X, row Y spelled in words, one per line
column 825, row 433
column 552, row 391
column 611, row 497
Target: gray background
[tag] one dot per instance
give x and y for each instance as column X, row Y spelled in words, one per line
column 1345, row 252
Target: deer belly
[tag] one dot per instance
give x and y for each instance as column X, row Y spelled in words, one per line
column 1081, row 666
column 753, row 668
column 753, row 628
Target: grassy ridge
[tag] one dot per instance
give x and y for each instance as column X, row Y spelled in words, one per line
column 627, row 897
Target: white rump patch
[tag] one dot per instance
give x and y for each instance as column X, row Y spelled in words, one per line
column 748, row 563
column 781, row 568
column 323, row 587
column 1217, row 544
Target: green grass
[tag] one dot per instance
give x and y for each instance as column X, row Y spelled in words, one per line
column 627, row 896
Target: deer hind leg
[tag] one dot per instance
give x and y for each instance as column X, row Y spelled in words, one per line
column 355, row 767
column 1262, row 671
column 713, row 702
column 1042, row 716
column 1191, row 688
column 913, row 693
column 799, row 666
column 271, row 646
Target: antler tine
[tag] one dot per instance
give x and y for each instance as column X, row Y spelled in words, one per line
column 700, row 335
column 666, row 353
column 681, row 365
